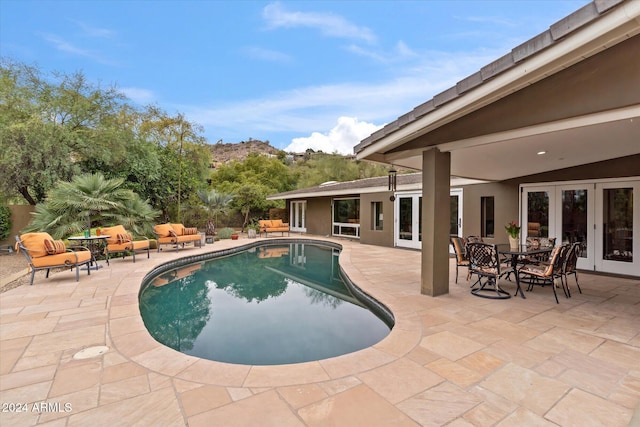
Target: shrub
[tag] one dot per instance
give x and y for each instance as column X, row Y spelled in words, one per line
column 5, row 221
column 225, row 233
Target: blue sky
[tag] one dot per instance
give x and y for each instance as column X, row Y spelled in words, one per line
column 300, row 74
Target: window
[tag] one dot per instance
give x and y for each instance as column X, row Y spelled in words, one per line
column 346, row 217
column 376, row 216
column 486, row 216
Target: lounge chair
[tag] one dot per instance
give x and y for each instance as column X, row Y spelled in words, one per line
column 121, row 241
column 44, row 253
column 176, row 234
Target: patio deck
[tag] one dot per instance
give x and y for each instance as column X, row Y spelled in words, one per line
column 452, row 360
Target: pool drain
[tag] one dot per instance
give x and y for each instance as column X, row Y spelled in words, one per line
column 90, row 352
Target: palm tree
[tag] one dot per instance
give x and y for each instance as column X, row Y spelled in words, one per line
column 71, row 207
column 215, row 203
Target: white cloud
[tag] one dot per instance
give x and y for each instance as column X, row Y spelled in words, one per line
column 328, row 24
column 138, row 95
column 342, row 138
column 95, row 31
column 65, row 46
column 266, row 54
column 314, row 110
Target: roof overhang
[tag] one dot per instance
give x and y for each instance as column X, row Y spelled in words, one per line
column 570, row 136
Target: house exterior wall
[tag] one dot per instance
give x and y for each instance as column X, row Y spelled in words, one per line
column 506, row 209
column 318, row 216
column 505, row 193
column 369, row 236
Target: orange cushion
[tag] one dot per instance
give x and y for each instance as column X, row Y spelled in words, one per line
column 113, row 232
column 34, row 242
column 67, row 258
column 178, row 228
column 265, row 223
column 55, row 247
column 164, row 230
column 276, row 223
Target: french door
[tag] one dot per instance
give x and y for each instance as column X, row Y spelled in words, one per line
column 600, row 215
column 408, row 231
column 297, row 218
column 408, row 218
column 618, row 227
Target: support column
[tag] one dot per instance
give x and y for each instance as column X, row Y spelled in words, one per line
column 436, row 178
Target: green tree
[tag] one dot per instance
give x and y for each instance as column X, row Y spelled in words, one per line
column 90, row 199
column 214, row 203
column 183, row 154
column 321, row 167
column 53, row 127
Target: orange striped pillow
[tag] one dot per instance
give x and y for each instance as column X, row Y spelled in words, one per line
column 124, row 238
column 54, row 247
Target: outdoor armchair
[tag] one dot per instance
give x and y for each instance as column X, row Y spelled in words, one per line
column 121, row 241
column 44, row 253
column 484, row 261
column 176, row 234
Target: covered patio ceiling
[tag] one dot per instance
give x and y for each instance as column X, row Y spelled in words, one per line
column 574, row 97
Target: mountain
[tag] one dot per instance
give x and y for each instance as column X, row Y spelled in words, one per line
column 222, row 153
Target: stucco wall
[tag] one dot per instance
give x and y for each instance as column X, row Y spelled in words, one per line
column 318, row 216
column 506, row 208
column 20, row 217
column 369, row 236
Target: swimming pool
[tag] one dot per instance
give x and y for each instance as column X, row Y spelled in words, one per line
column 262, row 304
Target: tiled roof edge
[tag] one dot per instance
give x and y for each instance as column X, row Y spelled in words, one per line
column 555, row 33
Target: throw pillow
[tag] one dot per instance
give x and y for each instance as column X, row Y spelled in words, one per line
column 54, row 247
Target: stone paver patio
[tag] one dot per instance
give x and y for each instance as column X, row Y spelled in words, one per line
column 454, row 360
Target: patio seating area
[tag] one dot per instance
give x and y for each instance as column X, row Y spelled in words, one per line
column 451, row 360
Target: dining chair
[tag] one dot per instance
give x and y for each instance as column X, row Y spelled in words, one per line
column 484, row 261
column 547, row 272
column 570, row 265
column 462, row 260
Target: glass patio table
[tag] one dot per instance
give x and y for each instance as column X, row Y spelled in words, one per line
column 95, row 245
column 517, row 253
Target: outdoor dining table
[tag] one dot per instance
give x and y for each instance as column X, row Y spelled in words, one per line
column 95, row 245
column 518, row 253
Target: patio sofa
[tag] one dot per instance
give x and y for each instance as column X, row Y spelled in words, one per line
column 273, row 226
column 176, row 234
column 44, row 253
column 121, row 241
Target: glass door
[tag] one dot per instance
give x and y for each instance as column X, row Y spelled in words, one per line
column 408, row 220
column 536, row 219
column 575, row 218
column 298, row 216
column 617, row 225
column 455, row 223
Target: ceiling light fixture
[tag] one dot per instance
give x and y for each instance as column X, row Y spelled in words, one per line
column 540, row 153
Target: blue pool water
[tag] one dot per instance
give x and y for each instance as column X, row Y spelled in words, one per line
column 270, row 304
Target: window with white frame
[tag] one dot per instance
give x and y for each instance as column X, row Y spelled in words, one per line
column 376, row 216
column 346, row 217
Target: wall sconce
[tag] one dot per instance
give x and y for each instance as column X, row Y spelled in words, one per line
column 392, row 182
column 392, row 178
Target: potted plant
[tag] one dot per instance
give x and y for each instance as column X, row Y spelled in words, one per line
column 234, row 236
column 513, row 230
